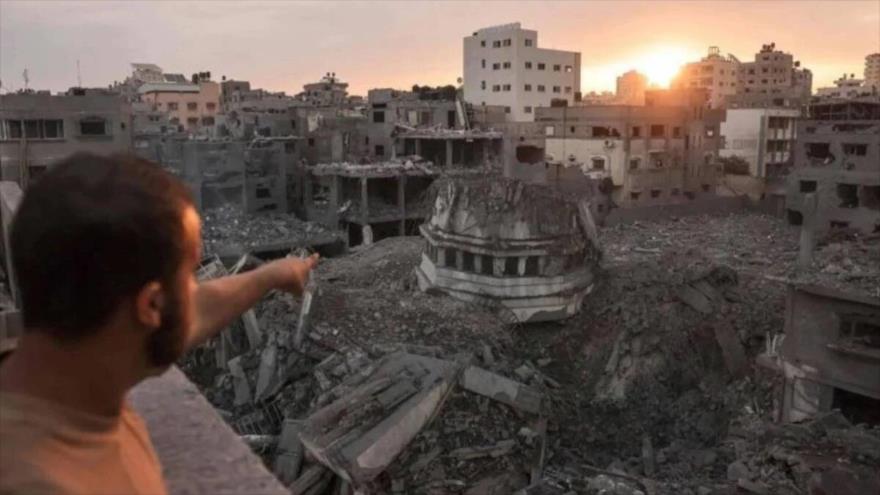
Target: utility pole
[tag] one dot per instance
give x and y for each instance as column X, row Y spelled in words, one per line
column 79, row 82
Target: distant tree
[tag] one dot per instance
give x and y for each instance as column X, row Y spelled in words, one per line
column 416, row 88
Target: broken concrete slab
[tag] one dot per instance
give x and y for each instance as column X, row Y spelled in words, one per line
column 268, row 372
column 252, row 329
column 498, row 484
column 499, row 449
column 314, row 479
column 695, row 299
column 732, row 350
column 360, row 434
column 240, row 382
column 505, row 390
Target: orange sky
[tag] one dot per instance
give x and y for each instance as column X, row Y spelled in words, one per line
column 281, row 45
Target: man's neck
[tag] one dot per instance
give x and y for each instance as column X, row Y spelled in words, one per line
column 70, row 374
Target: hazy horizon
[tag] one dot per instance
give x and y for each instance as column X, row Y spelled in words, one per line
column 281, row 45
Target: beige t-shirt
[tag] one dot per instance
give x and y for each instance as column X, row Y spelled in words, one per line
column 48, row 448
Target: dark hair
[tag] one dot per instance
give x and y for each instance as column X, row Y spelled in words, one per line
column 90, row 232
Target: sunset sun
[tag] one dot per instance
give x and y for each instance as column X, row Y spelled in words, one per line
column 662, row 64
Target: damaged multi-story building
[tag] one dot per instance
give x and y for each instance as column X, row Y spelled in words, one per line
column 837, row 161
column 524, row 249
column 829, row 355
column 38, row 128
column 648, row 154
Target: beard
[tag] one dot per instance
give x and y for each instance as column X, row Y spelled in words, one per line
column 166, row 344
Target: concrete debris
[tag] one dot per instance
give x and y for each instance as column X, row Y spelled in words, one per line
column 226, row 230
column 502, row 389
column 290, row 452
column 656, row 387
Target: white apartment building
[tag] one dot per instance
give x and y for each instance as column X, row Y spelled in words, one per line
column 504, row 66
column 714, row 72
column 845, row 87
column 872, row 71
column 764, row 137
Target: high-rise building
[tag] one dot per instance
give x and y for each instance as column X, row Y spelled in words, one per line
column 872, row 71
column 504, row 66
column 716, row 73
column 631, row 86
column 774, row 77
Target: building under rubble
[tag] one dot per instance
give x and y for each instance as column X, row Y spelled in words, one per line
column 830, row 355
column 837, row 159
column 523, row 249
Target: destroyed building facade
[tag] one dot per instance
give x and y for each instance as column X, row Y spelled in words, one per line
column 651, row 154
column 830, row 355
column 520, row 248
column 837, row 162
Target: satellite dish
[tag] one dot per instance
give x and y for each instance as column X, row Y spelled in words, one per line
column 459, row 80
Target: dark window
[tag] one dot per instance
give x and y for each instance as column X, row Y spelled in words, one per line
column 210, row 105
column 532, row 266
column 93, row 127
column 528, row 65
column 634, row 163
column 557, row 67
column 511, row 266
column 848, row 195
column 451, row 255
column 855, row 149
column 379, row 117
column 598, row 163
column 207, row 120
column 263, row 193
column 676, row 132
column 836, row 224
column 542, row 66
column 467, row 261
column 808, row 186
column 655, row 193
column 600, row 132
column 657, row 131
column 795, row 217
column 675, row 191
column 13, row 129
column 634, row 195
column 32, row 129
column 636, row 131
column 311, row 142
column 192, row 106
column 380, row 150
column 488, row 267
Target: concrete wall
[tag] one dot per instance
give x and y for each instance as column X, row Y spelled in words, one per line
column 41, row 152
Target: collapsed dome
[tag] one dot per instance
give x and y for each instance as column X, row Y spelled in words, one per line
column 521, row 247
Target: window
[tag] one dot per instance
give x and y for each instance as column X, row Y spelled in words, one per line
column 192, row 106
column 173, row 105
column 488, row 265
column 557, row 67
column 482, row 84
column 634, row 163
column 542, row 66
column 571, row 130
column 311, row 142
column 527, row 109
column 483, row 63
column 380, row 150
column 11, row 129
column 496, row 66
column 379, row 117
column 207, row 120
column 506, row 65
column 568, row 68
column 531, row 266
column 528, row 65
column 848, row 195
column 529, row 42
column 634, row 196
column 557, row 89
column 211, row 106
column 507, row 42
column 541, row 88
column 808, row 186
column 511, row 266
column 658, row 131
column 506, row 87
column 496, row 88
column 675, row 191
column 506, row 109
column 192, row 121
column 527, row 87
column 855, row 149
column 496, row 44
column 33, row 129
column 483, row 43
column 636, row 131
column 655, row 193
column 598, row 163
column 93, row 126
column 467, row 262
column 568, row 90
column 174, row 121
column 676, row 132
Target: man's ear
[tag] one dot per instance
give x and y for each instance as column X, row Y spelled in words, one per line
column 148, row 305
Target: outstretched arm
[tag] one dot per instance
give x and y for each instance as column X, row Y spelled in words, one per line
column 220, row 301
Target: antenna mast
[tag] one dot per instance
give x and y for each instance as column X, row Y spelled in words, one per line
column 79, row 82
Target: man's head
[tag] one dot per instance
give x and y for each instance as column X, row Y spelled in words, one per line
column 108, row 244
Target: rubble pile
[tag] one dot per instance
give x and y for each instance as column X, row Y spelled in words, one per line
column 227, row 228
column 652, row 388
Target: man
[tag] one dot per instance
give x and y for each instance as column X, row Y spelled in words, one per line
column 105, row 252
